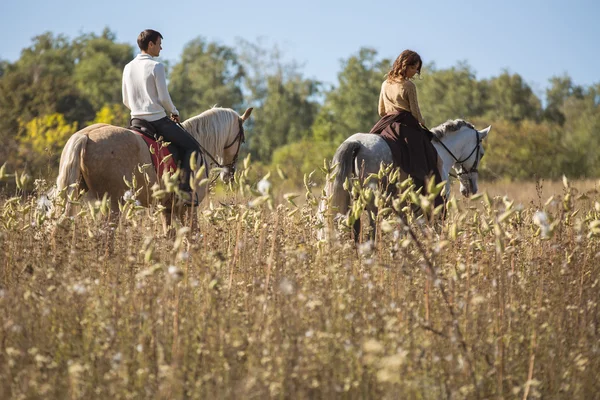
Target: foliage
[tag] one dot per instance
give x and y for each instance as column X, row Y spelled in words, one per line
column 288, row 114
column 113, row 114
column 99, row 68
column 520, row 151
column 44, row 138
column 38, row 82
column 351, row 107
column 47, row 133
column 581, row 132
column 561, row 89
column 302, row 157
column 510, row 98
column 449, row 94
column 284, row 100
column 81, row 80
column 208, row 74
column 42, row 83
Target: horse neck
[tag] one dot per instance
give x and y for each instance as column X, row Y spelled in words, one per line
column 459, row 143
column 210, row 141
column 451, row 142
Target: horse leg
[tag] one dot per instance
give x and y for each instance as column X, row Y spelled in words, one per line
column 356, row 230
column 373, row 223
column 166, row 219
column 112, row 223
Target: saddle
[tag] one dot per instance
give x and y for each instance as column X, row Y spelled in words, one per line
column 158, row 151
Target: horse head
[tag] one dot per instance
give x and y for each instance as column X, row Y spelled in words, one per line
column 463, row 149
column 473, row 151
column 220, row 133
column 231, row 150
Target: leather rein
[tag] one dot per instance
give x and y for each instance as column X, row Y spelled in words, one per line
column 241, row 137
column 457, row 161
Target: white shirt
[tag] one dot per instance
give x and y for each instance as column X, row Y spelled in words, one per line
column 145, row 90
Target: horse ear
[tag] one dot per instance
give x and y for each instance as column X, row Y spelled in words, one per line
column 247, row 114
column 484, row 132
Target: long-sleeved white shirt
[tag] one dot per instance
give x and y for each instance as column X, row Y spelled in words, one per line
column 145, row 90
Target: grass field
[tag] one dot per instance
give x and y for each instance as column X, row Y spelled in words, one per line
column 500, row 301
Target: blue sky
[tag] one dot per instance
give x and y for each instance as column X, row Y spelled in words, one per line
column 536, row 39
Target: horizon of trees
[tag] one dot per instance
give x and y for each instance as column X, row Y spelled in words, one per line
column 58, row 86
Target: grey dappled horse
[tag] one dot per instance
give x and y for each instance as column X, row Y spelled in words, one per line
column 458, row 145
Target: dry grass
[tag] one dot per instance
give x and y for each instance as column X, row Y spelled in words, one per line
column 496, row 303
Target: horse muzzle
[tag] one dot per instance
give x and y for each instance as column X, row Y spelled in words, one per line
column 227, row 174
column 469, row 187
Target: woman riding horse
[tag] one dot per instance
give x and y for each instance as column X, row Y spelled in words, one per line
column 402, row 125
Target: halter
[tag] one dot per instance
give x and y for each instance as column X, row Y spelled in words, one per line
column 457, row 161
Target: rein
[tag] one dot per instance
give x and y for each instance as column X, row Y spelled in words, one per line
column 239, row 137
column 475, row 164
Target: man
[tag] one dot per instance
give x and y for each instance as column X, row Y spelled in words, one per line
column 145, row 93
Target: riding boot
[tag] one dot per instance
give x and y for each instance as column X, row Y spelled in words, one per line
column 419, row 183
column 184, row 183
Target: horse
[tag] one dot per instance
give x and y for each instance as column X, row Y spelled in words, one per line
column 459, row 147
column 101, row 157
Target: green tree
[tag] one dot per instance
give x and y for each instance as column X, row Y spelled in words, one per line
column 449, row 94
column 580, row 133
column 510, row 98
column 519, row 150
column 208, row 74
column 39, row 82
column 285, row 116
column 562, row 88
column 99, row 68
column 351, row 107
column 302, row 157
column 285, row 102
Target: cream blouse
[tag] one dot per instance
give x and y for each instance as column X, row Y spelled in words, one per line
column 399, row 95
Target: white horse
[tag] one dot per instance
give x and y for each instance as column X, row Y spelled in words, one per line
column 99, row 157
column 458, row 145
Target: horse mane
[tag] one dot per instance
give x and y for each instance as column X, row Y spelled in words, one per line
column 208, row 127
column 450, row 126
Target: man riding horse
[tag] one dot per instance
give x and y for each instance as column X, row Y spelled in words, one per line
column 145, row 93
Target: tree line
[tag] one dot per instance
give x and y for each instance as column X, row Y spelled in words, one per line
column 59, row 85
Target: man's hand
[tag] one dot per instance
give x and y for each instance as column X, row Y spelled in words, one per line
column 175, row 118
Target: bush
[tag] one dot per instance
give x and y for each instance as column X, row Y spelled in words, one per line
column 303, row 157
column 43, row 140
column 524, row 150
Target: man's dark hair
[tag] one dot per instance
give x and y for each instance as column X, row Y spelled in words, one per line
column 147, row 36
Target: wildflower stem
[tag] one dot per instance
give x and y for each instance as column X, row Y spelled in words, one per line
column 433, row 277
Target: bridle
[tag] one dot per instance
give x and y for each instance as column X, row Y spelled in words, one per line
column 240, row 137
column 476, row 150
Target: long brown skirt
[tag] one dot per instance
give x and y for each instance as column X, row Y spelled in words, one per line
column 411, row 146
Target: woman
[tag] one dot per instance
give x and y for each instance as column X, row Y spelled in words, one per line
column 402, row 125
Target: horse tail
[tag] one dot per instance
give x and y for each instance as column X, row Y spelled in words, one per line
column 70, row 162
column 344, row 159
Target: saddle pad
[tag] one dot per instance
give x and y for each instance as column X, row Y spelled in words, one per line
column 158, row 154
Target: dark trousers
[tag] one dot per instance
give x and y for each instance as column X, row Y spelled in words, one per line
column 411, row 147
column 183, row 141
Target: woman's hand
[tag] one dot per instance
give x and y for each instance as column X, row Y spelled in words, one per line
column 175, row 118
